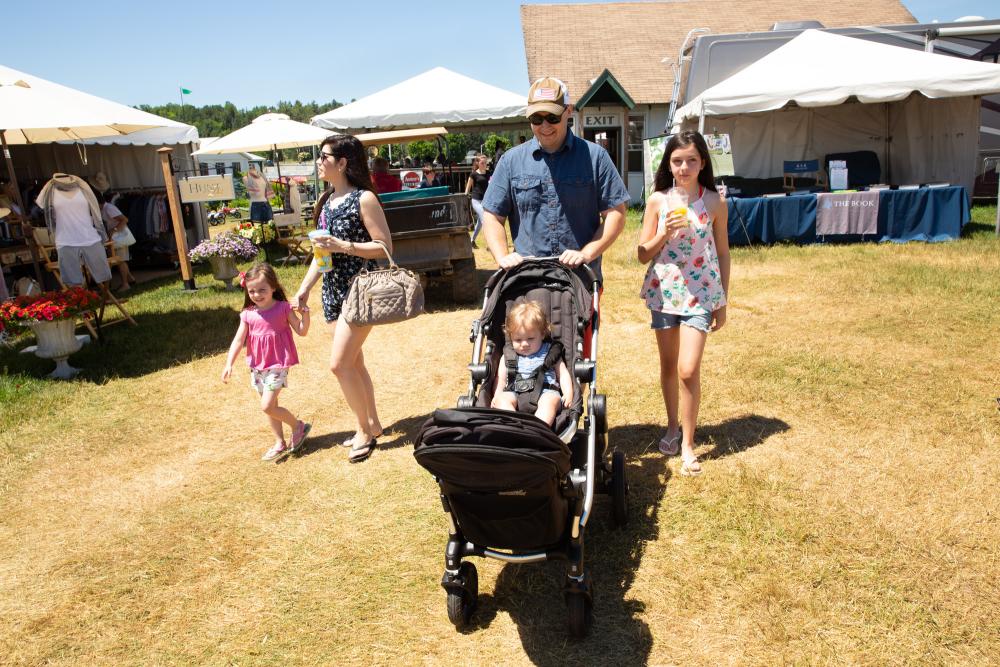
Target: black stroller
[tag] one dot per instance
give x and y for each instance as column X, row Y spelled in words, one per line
column 514, row 488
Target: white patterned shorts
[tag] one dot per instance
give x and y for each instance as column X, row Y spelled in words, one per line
column 271, row 379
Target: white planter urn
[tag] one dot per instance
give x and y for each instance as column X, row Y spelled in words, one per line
column 224, row 269
column 56, row 341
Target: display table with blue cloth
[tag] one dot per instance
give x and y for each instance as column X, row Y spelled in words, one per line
column 923, row 214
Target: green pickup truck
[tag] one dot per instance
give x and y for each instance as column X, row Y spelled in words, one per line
column 430, row 235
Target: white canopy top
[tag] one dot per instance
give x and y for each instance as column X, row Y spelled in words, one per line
column 436, row 97
column 36, row 111
column 817, row 69
column 265, row 132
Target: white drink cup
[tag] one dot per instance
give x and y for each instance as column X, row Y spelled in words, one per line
column 677, row 203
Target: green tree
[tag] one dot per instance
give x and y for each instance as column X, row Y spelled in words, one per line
column 422, row 151
column 457, row 146
column 493, row 141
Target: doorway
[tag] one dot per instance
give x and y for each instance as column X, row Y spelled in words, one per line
column 610, row 138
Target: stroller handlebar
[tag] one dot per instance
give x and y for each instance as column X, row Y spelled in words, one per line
column 592, row 277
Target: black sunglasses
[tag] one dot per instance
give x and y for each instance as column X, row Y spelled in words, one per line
column 322, row 156
column 550, row 118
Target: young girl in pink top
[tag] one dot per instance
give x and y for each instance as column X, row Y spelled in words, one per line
column 687, row 282
column 266, row 325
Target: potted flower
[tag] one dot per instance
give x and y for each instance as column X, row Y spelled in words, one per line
column 222, row 253
column 51, row 316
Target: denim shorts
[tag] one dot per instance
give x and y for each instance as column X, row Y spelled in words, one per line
column 700, row 321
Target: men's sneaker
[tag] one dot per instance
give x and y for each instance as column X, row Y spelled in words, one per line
column 276, row 452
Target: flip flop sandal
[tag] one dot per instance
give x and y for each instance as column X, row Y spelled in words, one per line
column 359, row 454
column 670, row 446
column 350, row 441
column 691, row 467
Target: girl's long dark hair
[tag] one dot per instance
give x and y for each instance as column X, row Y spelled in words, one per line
column 347, row 146
column 255, row 272
column 664, row 179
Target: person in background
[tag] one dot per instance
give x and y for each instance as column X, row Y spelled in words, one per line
column 686, row 285
column 431, row 178
column 475, row 187
column 266, row 325
column 382, row 179
column 116, row 223
column 73, row 218
column 259, row 191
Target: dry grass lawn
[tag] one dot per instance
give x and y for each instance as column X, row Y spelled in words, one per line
column 848, row 513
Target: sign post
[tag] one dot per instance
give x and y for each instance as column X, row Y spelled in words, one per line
column 175, row 214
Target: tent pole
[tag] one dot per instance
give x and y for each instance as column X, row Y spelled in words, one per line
column 888, row 148
column 29, row 239
column 180, row 236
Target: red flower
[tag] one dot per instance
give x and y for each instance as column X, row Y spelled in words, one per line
column 654, row 283
column 693, row 302
column 698, row 261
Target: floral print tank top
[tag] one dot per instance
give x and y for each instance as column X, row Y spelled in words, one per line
column 684, row 278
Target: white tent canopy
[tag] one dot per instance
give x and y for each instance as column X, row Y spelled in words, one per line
column 34, row 111
column 821, row 69
column 438, row 97
column 823, row 93
column 269, row 131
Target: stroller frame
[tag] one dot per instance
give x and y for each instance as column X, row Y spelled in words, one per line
column 589, row 471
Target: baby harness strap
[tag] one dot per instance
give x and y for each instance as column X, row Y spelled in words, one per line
column 529, row 388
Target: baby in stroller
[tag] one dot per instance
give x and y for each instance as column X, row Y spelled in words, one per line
column 534, row 376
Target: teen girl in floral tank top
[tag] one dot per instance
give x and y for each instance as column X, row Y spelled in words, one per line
column 686, row 285
column 684, row 279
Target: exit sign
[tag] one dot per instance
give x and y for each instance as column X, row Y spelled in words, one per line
column 601, row 120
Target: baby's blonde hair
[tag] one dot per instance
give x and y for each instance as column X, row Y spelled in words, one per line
column 527, row 316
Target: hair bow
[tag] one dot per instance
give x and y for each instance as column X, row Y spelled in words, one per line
column 243, row 279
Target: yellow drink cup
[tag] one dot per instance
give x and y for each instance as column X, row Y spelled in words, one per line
column 680, row 211
column 323, row 259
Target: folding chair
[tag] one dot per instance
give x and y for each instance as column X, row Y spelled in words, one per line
column 802, row 169
column 50, row 258
column 291, row 230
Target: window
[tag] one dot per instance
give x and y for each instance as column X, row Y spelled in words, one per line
column 636, row 132
column 220, row 167
column 236, row 168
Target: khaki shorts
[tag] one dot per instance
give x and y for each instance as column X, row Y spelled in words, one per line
column 73, row 257
column 270, row 379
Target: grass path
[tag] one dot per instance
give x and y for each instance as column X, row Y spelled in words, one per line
column 848, row 513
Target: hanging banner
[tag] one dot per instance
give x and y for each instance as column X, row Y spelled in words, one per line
column 721, row 152
column 652, row 155
column 206, row 188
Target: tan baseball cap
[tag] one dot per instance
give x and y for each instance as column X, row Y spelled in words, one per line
column 547, row 95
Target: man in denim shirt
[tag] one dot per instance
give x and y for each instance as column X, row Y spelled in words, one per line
column 554, row 189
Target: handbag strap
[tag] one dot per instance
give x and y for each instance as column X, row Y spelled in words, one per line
column 385, row 249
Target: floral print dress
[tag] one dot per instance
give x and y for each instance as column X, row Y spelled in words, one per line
column 684, row 279
column 343, row 220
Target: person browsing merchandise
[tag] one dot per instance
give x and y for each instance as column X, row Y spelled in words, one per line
column 562, row 194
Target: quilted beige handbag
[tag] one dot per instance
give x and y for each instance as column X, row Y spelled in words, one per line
column 383, row 296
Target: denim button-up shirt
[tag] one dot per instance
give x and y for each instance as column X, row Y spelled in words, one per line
column 554, row 200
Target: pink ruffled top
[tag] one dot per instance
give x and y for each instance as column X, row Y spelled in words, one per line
column 269, row 337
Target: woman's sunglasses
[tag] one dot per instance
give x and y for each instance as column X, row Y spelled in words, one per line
column 550, row 118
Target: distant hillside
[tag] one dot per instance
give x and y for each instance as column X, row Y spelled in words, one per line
column 215, row 120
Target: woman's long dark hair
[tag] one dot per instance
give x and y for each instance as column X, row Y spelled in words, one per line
column 664, row 179
column 255, row 272
column 347, row 146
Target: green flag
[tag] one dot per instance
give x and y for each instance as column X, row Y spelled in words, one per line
column 185, row 91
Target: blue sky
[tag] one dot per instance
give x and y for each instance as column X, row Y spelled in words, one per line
column 251, row 52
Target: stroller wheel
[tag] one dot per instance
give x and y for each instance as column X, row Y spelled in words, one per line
column 581, row 614
column 619, row 489
column 462, row 602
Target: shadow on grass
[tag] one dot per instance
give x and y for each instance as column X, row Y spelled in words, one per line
column 532, row 593
column 401, row 433
column 737, row 434
column 161, row 340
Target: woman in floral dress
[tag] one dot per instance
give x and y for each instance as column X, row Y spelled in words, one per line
column 687, row 282
column 351, row 212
